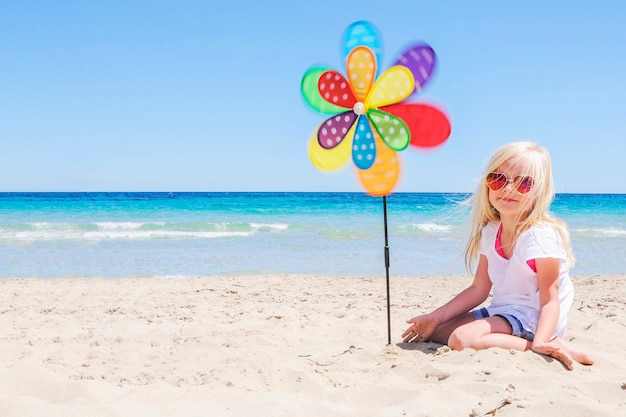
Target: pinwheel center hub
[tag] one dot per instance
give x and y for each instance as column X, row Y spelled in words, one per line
column 359, row 108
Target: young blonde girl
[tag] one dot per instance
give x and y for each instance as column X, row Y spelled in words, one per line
column 521, row 253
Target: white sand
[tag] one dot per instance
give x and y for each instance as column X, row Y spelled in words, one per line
column 286, row 345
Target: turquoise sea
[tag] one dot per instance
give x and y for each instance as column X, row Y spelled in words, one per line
column 199, row 234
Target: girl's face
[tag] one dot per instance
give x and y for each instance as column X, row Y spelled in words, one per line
column 515, row 197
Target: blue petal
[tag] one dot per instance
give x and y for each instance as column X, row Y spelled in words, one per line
column 363, row 145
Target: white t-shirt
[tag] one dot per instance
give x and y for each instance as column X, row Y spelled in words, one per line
column 515, row 284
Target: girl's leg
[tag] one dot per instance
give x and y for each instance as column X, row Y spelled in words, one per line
column 442, row 333
column 496, row 331
column 486, row 333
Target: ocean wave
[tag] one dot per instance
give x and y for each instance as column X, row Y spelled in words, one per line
column 430, row 227
column 128, row 230
column 122, row 225
column 269, row 226
column 598, row 232
column 158, row 234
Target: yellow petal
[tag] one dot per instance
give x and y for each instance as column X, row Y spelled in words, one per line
column 393, row 86
column 330, row 159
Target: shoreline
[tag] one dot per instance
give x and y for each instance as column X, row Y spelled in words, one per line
column 284, row 345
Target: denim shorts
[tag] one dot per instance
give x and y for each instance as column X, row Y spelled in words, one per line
column 516, row 324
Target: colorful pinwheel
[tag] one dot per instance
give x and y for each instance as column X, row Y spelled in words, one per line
column 371, row 119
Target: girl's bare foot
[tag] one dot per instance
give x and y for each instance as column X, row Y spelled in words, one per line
column 576, row 354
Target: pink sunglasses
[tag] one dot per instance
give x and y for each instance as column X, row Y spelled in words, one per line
column 496, row 181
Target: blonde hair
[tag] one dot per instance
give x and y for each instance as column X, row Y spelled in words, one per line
column 535, row 162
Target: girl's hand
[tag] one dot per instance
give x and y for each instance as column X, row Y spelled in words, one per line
column 422, row 328
column 553, row 350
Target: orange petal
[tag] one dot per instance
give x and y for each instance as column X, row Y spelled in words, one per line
column 361, row 70
column 383, row 176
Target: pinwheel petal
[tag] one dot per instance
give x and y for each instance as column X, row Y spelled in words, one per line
column 335, row 129
column 420, row 59
column 363, row 145
column 311, row 94
column 361, row 70
column 393, row 86
column 381, row 178
column 335, row 89
column 428, row 125
column 362, row 34
column 393, row 131
column 329, row 160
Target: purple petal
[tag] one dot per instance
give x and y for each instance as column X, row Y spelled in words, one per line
column 420, row 60
column 334, row 129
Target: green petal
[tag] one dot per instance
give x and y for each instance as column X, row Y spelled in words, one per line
column 393, row 131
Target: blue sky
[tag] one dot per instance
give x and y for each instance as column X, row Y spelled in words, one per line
column 204, row 96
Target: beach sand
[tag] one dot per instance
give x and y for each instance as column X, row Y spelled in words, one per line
column 285, row 345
